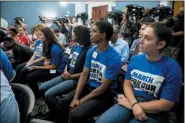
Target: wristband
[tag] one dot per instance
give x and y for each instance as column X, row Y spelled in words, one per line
column 134, row 104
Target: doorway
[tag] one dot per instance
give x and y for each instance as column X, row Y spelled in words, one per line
column 99, row 12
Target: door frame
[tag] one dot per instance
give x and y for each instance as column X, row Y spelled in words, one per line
column 97, row 4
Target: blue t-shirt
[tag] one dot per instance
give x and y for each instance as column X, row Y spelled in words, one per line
column 105, row 64
column 74, row 57
column 6, row 66
column 38, row 49
column 57, row 54
column 155, row 80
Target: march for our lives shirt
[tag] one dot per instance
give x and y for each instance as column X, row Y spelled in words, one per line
column 155, row 80
column 74, row 57
column 38, row 49
column 105, row 64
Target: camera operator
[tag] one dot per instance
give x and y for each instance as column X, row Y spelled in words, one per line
column 146, row 15
column 177, row 44
column 127, row 28
column 62, row 27
column 20, row 23
column 73, row 23
column 90, row 23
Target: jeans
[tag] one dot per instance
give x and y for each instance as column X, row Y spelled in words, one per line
column 57, row 86
column 60, row 107
column 120, row 114
column 38, row 75
column 21, row 72
column 18, row 70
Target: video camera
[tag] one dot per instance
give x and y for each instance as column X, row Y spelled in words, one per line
column 116, row 16
column 61, row 20
column 83, row 16
column 17, row 19
column 135, row 11
column 163, row 12
column 42, row 19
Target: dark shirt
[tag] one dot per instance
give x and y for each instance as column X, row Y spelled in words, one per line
column 178, row 26
column 22, row 53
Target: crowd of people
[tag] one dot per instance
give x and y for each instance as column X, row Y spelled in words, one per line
column 76, row 78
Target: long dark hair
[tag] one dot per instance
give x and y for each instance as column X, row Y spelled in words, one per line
column 82, row 34
column 50, row 38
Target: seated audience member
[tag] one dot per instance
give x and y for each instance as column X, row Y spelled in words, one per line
column 6, row 66
column 3, row 34
column 35, row 34
column 119, row 45
column 134, row 50
column 152, row 84
column 53, row 64
column 13, row 33
column 67, row 81
column 21, row 53
column 9, row 107
column 22, row 38
column 92, row 95
column 61, row 37
column 36, row 59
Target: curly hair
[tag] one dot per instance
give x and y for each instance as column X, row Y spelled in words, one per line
column 82, row 34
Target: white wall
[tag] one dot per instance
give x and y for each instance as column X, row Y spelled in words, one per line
column 79, row 7
column 166, row 3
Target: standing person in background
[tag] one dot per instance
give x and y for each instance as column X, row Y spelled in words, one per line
column 72, row 24
column 91, row 24
column 127, row 28
column 177, row 44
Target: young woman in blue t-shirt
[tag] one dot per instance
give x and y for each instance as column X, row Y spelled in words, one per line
column 36, row 58
column 68, row 79
column 152, row 84
column 53, row 65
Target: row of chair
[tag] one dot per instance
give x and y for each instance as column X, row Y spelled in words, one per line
column 26, row 101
